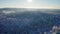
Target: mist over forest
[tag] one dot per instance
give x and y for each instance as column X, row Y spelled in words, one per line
column 30, row 21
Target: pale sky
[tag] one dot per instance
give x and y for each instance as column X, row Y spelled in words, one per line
column 30, row 3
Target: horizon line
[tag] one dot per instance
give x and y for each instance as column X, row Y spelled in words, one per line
column 32, row 7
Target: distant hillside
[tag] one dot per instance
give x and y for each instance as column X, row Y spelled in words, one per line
column 28, row 21
column 50, row 11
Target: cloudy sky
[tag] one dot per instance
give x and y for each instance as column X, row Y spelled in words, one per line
column 30, row 3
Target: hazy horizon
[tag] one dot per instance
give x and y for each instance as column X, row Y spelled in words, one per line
column 45, row 4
